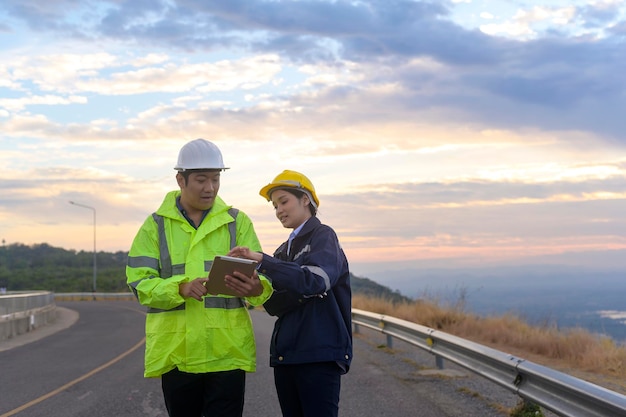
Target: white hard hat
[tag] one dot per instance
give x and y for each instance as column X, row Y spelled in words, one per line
column 199, row 154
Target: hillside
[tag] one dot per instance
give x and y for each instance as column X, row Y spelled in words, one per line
column 44, row 267
column 369, row 288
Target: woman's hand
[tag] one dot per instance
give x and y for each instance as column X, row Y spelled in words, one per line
column 245, row 252
column 244, row 285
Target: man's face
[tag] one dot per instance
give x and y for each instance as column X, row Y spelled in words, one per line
column 200, row 189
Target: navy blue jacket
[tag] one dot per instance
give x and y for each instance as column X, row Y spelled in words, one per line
column 312, row 299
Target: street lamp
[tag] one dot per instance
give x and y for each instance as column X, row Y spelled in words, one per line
column 95, row 267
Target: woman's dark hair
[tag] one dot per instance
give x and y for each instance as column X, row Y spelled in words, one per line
column 299, row 194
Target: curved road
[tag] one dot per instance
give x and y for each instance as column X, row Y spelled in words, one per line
column 92, row 365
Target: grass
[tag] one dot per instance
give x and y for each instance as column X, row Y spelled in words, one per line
column 576, row 351
column 526, row 409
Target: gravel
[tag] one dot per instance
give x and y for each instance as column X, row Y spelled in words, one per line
column 456, row 390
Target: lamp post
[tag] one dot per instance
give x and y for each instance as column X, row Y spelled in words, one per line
column 95, row 267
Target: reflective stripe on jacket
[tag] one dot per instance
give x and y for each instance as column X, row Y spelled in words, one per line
column 197, row 337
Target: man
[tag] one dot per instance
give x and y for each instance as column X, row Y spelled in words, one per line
column 200, row 345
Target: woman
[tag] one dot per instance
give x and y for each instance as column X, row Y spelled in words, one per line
column 311, row 344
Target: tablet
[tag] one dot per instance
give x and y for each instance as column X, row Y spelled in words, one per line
column 226, row 265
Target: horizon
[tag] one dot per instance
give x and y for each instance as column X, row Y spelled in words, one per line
column 589, row 297
column 443, row 275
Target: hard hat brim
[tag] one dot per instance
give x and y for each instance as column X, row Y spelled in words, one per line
column 267, row 191
column 179, row 169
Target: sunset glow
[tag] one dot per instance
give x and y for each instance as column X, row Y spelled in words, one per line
column 498, row 136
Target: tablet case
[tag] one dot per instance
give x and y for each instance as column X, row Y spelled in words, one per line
column 226, row 265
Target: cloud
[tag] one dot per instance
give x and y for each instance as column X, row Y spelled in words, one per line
column 532, row 220
column 55, row 72
column 425, row 136
column 49, row 100
column 555, row 82
column 96, row 74
column 600, row 13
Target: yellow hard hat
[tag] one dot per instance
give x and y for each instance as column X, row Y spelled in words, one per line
column 291, row 179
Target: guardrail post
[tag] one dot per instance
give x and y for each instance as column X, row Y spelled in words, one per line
column 439, row 362
column 356, row 328
column 389, row 341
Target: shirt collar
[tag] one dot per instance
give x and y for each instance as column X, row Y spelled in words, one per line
column 297, row 229
column 184, row 213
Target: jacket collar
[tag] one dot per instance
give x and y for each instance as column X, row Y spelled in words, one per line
column 310, row 224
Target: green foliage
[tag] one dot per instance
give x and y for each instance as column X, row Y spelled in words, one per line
column 526, row 408
column 43, row 267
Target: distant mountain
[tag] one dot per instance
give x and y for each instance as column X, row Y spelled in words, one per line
column 370, row 288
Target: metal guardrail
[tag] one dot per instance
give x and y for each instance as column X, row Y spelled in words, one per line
column 19, row 301
column 558, row 392
column 22, row 312
column 85, row 296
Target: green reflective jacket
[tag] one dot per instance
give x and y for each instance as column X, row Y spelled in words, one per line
column 194, row 336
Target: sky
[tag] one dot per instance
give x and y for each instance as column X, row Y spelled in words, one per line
column 452, row 133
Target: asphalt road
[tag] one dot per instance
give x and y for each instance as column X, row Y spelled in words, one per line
column 90, row 363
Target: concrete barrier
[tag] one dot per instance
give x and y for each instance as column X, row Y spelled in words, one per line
column 22, row 312
column 25, row 311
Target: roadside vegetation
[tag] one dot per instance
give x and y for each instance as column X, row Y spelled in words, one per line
column 577, row 352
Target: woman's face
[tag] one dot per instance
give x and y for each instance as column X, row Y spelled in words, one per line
column 291, row 211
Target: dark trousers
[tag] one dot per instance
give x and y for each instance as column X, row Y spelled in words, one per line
column 308, row 390
column 215, row 394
